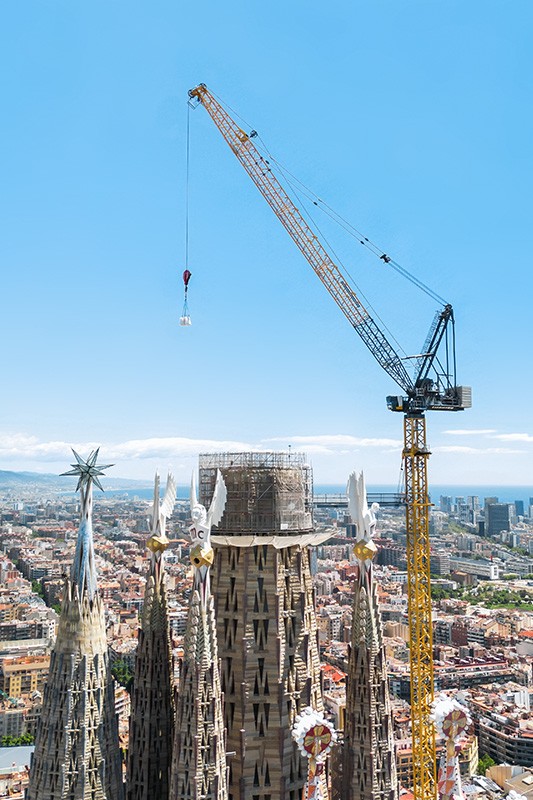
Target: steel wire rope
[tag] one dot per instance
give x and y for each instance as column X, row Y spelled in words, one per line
column 187, row 175
column 359, row 236
column 229, row 108
column 302, row 205
column 336, row 217
column 401, row 481
column 340, row 262
column 351, row 229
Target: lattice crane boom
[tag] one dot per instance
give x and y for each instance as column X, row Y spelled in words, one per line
column 305, row 239
column 422, row 392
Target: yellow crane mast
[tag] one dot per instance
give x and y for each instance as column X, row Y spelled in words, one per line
column 432, row 388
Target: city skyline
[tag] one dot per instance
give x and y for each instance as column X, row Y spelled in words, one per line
column 418, row 135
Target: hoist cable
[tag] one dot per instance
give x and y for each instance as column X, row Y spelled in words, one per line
column 187, row 170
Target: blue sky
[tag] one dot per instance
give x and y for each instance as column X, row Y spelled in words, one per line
column 412, row 119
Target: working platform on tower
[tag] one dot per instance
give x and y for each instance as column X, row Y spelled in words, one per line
column 339, row 500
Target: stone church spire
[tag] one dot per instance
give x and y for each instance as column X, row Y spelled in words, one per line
column 368, row 759
column 199, row 762
column 77, row 754
column 152, row 701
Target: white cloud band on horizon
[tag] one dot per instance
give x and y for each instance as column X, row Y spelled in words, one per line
column 464, row 449
column 332, row 456
column 16, row 446
column 470, row 432
column 514, row 437
column 337, row 440
column 21, row 446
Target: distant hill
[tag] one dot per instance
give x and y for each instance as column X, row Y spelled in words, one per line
column 20, row 480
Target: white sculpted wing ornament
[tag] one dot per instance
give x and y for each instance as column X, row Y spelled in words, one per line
column 363, row 516
column 169, row 500
column 218, row 503
column 161, row 511
column 356, row 501
column 201, row 552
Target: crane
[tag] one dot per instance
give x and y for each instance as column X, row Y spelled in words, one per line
column 432, row 388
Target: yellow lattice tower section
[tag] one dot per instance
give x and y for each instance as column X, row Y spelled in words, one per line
column 415, row 458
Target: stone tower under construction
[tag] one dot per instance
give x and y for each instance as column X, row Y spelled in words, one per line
column 266, row 624
column 77, row 754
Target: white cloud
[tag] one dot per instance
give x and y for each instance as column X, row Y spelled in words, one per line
column 332, row 454
column 475, row 450
column 332, row 442
column 470, row 432
column 171, row 447
column 21, row 446
column 514, row 437
column 138, row 457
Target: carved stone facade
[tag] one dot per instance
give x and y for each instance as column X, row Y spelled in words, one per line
column 152, row 701
column 199, row 765
column 369, row 765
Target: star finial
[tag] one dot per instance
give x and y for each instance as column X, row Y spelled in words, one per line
column 87, row 471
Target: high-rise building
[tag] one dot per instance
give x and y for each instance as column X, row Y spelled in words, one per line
column 446, row 504
column 266, row 624
column 440, row 563
column 497, row 518
column 77, row 752
column 152, row 700
column 368, row 762
column 519, row 508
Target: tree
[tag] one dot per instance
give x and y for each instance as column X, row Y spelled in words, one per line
column 485, row 761
column 439, row 593
column 16, row 741
column 122, row 673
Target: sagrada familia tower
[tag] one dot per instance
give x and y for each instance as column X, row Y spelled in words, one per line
column 247, row 720
column 77, row 754
column 152, row 701
column 265, row 617
column 368, row 759
column 199, row 768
